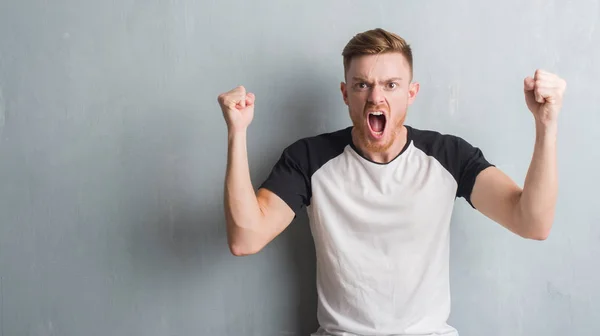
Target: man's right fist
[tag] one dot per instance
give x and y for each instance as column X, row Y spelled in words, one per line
column 238, row 108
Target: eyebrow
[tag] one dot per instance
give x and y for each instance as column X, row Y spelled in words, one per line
column 362, row 79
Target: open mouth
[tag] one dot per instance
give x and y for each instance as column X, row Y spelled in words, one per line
column 377, row 122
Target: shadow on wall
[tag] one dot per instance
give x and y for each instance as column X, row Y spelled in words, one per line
column 178, row 231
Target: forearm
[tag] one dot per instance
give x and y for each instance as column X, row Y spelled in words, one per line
column 242, row 211
column 537, row 203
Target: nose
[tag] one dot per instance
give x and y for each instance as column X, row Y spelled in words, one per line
column 376, row 95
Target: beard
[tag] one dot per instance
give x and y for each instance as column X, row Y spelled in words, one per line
column 392, row 132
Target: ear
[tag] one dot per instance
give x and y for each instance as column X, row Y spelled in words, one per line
column 413, row 89
column 344, row 92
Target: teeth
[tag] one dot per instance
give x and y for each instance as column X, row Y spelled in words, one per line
column 376, row 113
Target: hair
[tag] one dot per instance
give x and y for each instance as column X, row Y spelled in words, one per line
column 373, row 42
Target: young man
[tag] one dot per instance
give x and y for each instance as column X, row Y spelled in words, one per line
column 380, row 194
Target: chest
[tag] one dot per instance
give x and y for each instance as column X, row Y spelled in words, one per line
column 411, row 192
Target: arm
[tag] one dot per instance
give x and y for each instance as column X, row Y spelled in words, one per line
column 253, row 220
column 528, row 212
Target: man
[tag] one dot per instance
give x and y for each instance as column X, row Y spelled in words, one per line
column 380, row 194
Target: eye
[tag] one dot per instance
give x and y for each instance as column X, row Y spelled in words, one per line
column 392, row 85
column 361, row 86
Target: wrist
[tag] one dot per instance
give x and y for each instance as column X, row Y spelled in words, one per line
column 546, row 127
column 232, row 135
column 545, row 132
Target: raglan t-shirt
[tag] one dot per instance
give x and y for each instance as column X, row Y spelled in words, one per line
column 381, row 231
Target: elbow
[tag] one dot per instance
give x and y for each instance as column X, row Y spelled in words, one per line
column 242, row 244
column 534, row 227
column 238, row 251
column 243, row 240
column 539, row 232
column 539, row 235
column 241, row 250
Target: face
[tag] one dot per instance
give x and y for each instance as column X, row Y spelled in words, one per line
column 378, row 91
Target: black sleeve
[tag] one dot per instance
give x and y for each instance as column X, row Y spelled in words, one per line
column 470, row 163
column 289, row 178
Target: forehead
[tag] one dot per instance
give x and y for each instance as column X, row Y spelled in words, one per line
column 379, row 66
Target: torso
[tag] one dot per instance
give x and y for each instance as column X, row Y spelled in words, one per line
column 381, row 231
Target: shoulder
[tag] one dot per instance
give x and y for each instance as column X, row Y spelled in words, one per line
column 462, row 160
column 316, row 150
column 437, row 144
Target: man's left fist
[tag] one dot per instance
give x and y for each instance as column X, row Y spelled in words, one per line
column 544, row 96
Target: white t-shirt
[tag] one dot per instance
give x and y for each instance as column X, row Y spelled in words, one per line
column 381, row 231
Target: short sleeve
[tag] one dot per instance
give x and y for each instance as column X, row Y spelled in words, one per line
column 289, row 178
column 471, row 162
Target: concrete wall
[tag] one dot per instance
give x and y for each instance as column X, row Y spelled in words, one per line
column 113, row 148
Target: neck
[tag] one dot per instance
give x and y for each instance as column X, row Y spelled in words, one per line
column 384, row 156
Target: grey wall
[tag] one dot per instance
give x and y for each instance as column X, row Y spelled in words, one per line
column 112, row 156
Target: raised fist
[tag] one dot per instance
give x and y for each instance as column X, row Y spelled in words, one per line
column 544, row 95
column 238, row 108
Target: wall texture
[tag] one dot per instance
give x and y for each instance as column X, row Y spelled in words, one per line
column 112, row 156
